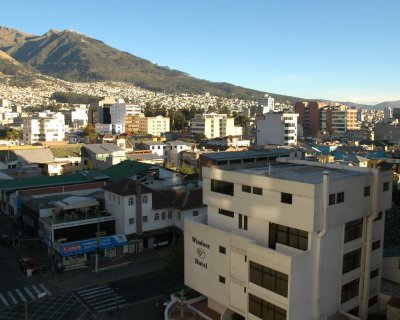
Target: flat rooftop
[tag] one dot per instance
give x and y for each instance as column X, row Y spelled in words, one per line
column 300, row 173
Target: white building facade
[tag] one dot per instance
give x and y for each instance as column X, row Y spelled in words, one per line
column 154, row 125
column 298, row 240
column 212, row 125
column 44, row 126
column 277, row 128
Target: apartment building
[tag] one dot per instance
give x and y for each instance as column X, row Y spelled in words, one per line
column 44, row 126
column 338, row 119
column 309, row 116
column 278, row 128
column 154, row 125
column 212, row 125
column 295, row 240
column 121, row 110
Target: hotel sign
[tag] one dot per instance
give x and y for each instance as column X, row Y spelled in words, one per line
column 201, row 252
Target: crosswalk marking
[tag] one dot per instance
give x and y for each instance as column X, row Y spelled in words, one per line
column 36, row 290
column 45, row 289
column 5, row 302
column 12, row 297
column 30, row 294
column 101, row 298
column 22, row 295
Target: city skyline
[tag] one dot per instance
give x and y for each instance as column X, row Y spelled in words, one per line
column 309, row 49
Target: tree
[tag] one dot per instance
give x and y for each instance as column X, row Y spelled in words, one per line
column 187, row 170
column 90, row 133
column 175, row 263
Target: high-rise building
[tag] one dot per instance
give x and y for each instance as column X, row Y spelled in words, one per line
column 295, row 240
column 212, row 125
column 338, row 119
column 121, row 110
column 278, row 128
column 44, row 126
column 387, row 114
column 103, row 110
column 309, row 116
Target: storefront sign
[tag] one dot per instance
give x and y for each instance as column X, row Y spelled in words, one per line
column 79, row 247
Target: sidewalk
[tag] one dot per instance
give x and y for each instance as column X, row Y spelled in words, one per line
column 125, row 267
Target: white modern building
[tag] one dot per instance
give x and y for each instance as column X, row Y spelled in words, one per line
column 79, row 118
column 120, row 110
column 212, row 125
column 44, row 126
column 154, row 125
column 277, row 128
column 295, row 240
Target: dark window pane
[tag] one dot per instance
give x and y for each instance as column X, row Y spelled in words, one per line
column 332, row 199
column 353, row 230
column 257, row 190
column 246, row 188
column 226, row 213
column 286, row 198
column 222, row 187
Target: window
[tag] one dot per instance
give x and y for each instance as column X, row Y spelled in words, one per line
column 246, row 188
column 376, row 245
column 374, row 273
column 372, row 301
column 222, row 187
column 350, row 290
column 144, row 199
column 156, row 217
column 195, row 213
column 291, row 237
column 222, row 250
column 163, row 215
column 265, row 310
column 221, row 279
column 353, row 230
column 332, row 199
column 169, row 215
column 269, row 279
column 226, row 213
column 242, row 221
column 367, row 191
column 179, row 215
column 340, row 197
column 351, row 261
column 144, row 218
column 354, row 311
column 386, row 186
column 379, row 217
column 130, row 201
column 257, row 191
column 286, row 198
column 131, row 220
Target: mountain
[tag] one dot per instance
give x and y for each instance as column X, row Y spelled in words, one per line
column 383, row 105
column 73, row 56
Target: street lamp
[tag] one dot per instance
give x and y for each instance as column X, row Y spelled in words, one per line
column 40, row 295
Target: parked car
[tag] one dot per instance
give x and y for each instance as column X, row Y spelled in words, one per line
column 28, row 263
column 5, row 240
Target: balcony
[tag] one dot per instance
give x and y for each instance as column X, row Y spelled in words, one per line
column 74, row 218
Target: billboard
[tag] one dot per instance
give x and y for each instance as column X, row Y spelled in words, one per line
column 89, row 245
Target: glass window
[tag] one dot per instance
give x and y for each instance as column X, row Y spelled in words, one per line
column 195, row 213
column 163, row 215
column 367, row 191
column 287, row 236
column 222, row 250
column 227, row 213
column 286, row 198
column 386, row 186
column 353, row 230
column 144, row 218
column 372, row 301
column 374, row 273
column 131, row 220
column 222, row 187
column 269, row 279
column 332, row 199
column 350, row 290
column 376, row 245
column 144, row 199
column 351, row 261
column 265, row 310
column 246, row 188
column 340, row 197
column 130, row 201
column 156, row 217
column 169, row 215
column 257, row 191
column 379, row 217
column 221, row 279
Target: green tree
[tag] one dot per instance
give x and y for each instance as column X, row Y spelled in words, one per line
column 90, row 133
column 187, row 170
column 175, row 263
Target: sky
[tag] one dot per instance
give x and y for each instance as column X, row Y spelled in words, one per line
column 342, row 50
